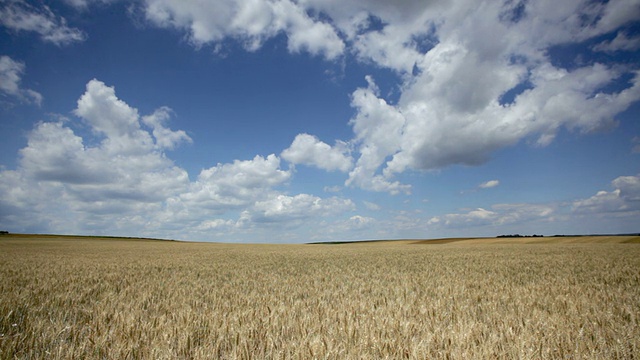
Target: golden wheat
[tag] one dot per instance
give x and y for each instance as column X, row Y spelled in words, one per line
column 110, row 299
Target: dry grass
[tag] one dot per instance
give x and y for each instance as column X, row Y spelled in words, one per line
column 606, row 239
column 104, row 298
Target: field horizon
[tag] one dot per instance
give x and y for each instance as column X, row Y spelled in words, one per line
column 502, row 239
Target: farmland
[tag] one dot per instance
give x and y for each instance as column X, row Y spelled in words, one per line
column 74, row 297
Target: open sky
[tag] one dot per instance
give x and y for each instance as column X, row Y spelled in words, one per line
column 315, row 120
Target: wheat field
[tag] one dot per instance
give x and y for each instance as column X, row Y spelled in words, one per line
column 105, row 298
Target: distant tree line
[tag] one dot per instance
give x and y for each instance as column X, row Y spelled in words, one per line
column 4, row 232
column 519, row 236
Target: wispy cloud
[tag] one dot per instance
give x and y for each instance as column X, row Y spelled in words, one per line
column 371, row 206
column 11, row 72
column 19, row 16
column 499, row 214
column 622, row 42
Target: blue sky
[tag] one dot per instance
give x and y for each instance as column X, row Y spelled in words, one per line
column 318, row 120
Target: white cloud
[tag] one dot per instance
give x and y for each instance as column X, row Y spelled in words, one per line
column 120, row 124
column 309, row 150
column 124, row 165
column 474, row 217
column 216, row 225
column 250, row 21
column 356, row 227
column 378, row 132
column 629, row 187
column 80, row 4
column 165, row 138
column 124, row 183
column 603, row 201
column 278, row 218
column 18, row 15
column 622, row 42
column 624, row 199
column 500, row 214
column 235, row 185
column 388, row 48
column 476, row 77
column 515, row 213
column 615, row 14
column 10, row 77
column 452, row 124
column 84, row 4
column 64, row 185
column 305, row 33
column 107, row 114
column 394, row 45
column 55, row 153
column 489, row 184
column 620, row 204
column 452, row 110
column 285, row 208
column 359, row 222
column 205, row 21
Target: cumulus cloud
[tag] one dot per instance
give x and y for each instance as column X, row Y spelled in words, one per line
column 309, row 150
column 453, row 108
column 235, row 185
column 126, row 164
column 121, row 181
column 18, row 15
column 10, row 77
column 66, row 185
column 378, row 133
column 389, row 34
column 120, row 124
column 108, row 115
column 165, row 138
column 250, row 21
column 283, row 207
column 475, row 77
column 305, row 33
column 460, row 124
